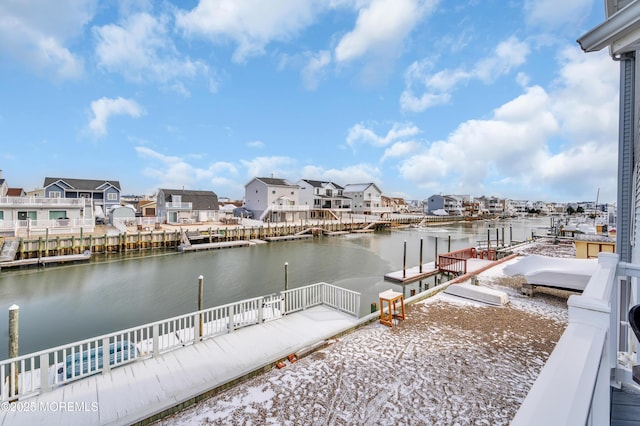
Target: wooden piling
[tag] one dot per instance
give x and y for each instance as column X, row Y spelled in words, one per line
column 14, row 313
column 404, row 261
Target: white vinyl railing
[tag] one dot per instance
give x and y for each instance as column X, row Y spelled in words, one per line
column 42, row 202
column 573, row 387
column 34, row 373
column 322, row 294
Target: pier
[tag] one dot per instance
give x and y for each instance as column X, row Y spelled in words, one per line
column 173, row 363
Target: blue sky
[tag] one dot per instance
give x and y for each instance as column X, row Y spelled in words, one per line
column 479, row 97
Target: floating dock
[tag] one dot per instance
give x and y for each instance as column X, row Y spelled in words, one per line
column 213, row 246
column 46, row 260
column 410, row 275
column 288, row 237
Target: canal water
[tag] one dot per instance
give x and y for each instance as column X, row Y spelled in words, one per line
column 62, row 304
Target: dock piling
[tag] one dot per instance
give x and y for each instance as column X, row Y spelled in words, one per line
column 421, row 254
column 404, row 261
column 14, row 313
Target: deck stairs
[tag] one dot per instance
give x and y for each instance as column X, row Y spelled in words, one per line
column 9, row 250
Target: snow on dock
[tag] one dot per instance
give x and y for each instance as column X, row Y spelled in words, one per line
column 412, row 274
column 139, row 390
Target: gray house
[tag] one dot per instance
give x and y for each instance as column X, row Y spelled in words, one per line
column 103, row 194
column 187, row 206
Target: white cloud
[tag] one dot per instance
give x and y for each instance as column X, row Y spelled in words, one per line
column 437, row 87
column 279, row 167
column 546, row 143
column 105, row 108
column 555, row 14
column 315, row 69
column 256, row 144
column 141, row 49
column 381, row 28
column 350, row 174
column 170, row 171
column 250, row 24
column 35, row 33
column 360, row 133
column 401, row 149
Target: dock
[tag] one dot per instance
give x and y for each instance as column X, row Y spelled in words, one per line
column 147, row 388
column 288, row 237
column 412, row 274
column 213, row 246
column 47, row 259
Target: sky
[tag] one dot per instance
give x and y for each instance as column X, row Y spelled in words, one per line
column 421, row 97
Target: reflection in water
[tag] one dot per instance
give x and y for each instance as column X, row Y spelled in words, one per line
column 67, row 303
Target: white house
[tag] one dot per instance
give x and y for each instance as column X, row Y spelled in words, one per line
column 274, row 200
column 325, row 199
column 186, row 206
column 366, row 198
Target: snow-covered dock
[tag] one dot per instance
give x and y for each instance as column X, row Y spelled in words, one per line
column 142, row 389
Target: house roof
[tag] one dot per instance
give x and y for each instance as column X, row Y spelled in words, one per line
column 82, row 184
column 276, row 182
column 321, row 183
column 15, row 192
column 200, row 200
column 359, row 187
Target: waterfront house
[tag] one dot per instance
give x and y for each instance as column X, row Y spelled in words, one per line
column 176, row 206
column 3, row 186
column 102, row 195
column 274, row 200
column 451, row 204
column 592, row 376
column 366, row 198
column 325, row 199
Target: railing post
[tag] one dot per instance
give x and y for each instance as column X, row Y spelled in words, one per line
column 106, row 356
column 44, row 372
column 156, row 340
column 197, row 327
column 261, row 305
column 304, row 298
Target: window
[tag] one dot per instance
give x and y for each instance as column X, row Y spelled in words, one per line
column 176, row 199
column 57, row 214
column 55, row 194
column 1, row 215
column 112, row 196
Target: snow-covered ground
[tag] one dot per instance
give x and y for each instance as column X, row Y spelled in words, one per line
column 452, row 361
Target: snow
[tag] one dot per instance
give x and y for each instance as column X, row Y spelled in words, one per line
column 452, row 361
column 571, row 274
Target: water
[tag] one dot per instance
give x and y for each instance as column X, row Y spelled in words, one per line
column 63, row 304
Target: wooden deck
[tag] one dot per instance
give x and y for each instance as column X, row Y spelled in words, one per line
column 144, row 389
column 412, row 274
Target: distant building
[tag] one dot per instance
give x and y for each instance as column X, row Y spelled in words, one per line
column 325, row 199
column 186, row 206
column 366, row 198
column 102, row 194
column 274, row 200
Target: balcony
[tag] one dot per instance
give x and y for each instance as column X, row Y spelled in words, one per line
column 42, row 202
column 595, row 354
column 179, row 206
